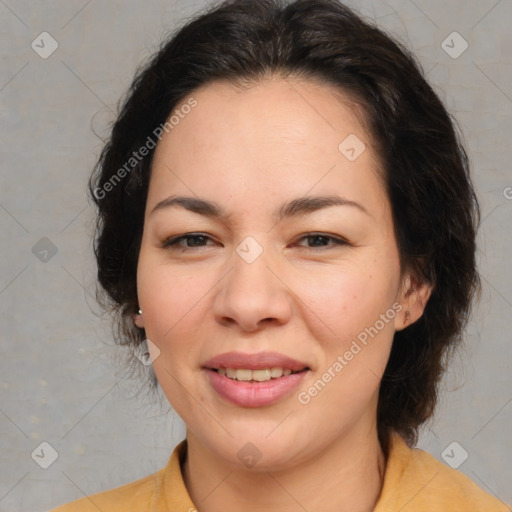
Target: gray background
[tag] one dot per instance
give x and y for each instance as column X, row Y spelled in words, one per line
column 61, row 380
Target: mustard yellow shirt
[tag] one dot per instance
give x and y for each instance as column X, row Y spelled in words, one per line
column 414, row 481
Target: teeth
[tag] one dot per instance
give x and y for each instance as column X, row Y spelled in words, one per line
column 243, row 374
column 263, row 375
column 276, row 372
column 260, row 375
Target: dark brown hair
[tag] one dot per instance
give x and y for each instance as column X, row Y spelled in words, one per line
column 426, row 170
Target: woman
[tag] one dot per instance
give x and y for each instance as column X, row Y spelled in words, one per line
column 287, row 221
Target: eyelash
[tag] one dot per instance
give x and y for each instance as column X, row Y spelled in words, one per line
column 172, row 243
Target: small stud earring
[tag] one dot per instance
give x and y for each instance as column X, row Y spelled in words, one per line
column 139, row 312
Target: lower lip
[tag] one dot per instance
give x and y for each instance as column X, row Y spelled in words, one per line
column 254, row 394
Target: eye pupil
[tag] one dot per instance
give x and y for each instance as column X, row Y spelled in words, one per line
column 316, row 238
column 194, row 239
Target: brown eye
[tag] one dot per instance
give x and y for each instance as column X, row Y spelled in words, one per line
column 192, row 240
column 320, row 241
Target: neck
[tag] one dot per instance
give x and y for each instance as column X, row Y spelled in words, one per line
column 347, row 476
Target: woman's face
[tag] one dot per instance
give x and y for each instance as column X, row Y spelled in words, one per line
column 265, row 274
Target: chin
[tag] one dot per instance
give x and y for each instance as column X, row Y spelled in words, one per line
column 257, row 450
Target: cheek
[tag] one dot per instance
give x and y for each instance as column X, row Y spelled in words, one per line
column 172, row 312
column 355, row 342
column 344, row 316
column 169, row 296
column 344, row 300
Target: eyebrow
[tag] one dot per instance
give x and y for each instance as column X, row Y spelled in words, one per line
column 293, row 208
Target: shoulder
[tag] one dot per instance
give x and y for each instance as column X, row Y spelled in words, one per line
column 447, row 487
column 415, row 480
column 163, row 490
column 136, row 496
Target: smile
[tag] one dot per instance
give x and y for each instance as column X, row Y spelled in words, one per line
column 244, row 390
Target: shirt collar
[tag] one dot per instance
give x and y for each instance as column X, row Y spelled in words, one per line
column 176, row 496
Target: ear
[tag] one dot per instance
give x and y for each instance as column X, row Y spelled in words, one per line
column 413, row 297
column 138, row 320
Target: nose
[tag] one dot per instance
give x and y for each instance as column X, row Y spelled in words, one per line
column 253, row 295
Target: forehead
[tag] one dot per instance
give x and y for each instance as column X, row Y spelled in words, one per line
column 274, row 137
column 292, row 110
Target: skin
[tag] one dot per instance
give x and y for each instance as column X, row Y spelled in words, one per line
column 249, row 150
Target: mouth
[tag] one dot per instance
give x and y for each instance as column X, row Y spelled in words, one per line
column 254, row 380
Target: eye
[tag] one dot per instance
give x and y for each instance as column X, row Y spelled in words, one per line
column 196, row 240
column 175, row 243
column 319, row 238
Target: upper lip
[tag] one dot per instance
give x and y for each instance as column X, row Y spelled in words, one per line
column 257, row 361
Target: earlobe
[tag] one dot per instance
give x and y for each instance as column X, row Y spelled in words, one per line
column 139, row 319
column 404, row 319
